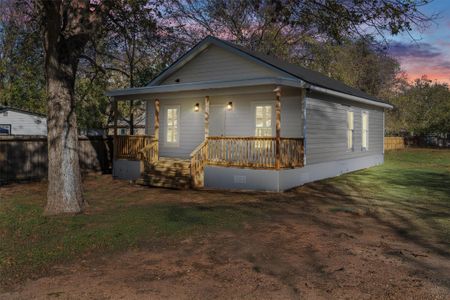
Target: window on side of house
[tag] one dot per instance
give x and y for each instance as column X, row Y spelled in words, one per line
column 263, row 115
column 365, row 131
column 172, row 125
column 5, row 129
column 350, row 130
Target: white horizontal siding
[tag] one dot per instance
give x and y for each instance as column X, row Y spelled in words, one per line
column 215, row 63
column 326, row 127
column 240, row 121
column 191, row 127
column 23, row 123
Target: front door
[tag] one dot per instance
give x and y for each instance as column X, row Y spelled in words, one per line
column 217, row 120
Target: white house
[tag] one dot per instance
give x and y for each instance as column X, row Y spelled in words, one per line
column 15, row 121
column 225, row 117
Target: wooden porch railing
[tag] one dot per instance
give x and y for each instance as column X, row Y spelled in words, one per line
column 199, row 158
column 254, row 152
column 149, row 153
column 245, row 152
column 128, row 146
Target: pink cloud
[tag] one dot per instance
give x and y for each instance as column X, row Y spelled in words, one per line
column 435, row 70
column 424, row 59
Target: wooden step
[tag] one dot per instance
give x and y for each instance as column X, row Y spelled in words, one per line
column 169, row 173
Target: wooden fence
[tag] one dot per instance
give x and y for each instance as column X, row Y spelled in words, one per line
column 25, row 157
column 394, row 143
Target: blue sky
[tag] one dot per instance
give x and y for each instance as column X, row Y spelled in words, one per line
column 430, row 53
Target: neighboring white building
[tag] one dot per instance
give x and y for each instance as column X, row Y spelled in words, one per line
column 225, row 117
column 15, row 121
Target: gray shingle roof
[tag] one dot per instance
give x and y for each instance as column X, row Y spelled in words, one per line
column 309, row 76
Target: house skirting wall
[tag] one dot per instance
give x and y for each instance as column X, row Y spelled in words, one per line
column 126, row 169
column 281, row 180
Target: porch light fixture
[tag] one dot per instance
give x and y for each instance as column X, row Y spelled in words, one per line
column 230, row 105
column 197, row 107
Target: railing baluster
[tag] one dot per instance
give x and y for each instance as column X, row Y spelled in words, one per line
column 256, row 152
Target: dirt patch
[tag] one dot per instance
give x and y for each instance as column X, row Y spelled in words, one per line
column 303, row 249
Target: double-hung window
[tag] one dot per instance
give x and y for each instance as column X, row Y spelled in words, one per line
column 365, row 130
column 172, row 125
column 263, row 120
column 350, row 130
column 263, row 125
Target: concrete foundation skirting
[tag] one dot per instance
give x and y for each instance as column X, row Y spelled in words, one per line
column 261, row 180
column 281, row 180
column 126, row 169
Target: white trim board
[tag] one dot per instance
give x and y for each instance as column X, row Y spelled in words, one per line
column 203, row 85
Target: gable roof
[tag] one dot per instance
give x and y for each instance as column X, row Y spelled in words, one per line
column 308, row 76
column 23, row 111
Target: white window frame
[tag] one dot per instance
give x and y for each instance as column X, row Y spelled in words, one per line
column 7, row 127
column 260, row 144
column 366, row 148
column 350, row 129
column 166, row 127
column 272, row 116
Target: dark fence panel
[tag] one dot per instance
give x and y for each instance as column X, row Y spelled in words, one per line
column 429, row 140
column 25, row 157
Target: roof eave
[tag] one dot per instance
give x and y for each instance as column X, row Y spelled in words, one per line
column 350, row 97
column 205, row 85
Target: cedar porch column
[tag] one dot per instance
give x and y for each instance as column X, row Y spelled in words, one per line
column 206, row 117
column 131, row 118
column 303, row 99
column 277, row 127
column 156, row 125
column 115, row 113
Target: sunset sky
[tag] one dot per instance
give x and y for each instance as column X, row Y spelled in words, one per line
column 430, row 54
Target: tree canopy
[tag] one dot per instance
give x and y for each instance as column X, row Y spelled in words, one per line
column 138, row 38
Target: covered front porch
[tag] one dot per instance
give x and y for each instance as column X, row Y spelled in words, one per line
column 266, row 149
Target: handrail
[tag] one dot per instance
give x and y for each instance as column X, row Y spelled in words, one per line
column 128, row 146
column 149, row 153
column 199, row 158
column 201, row 145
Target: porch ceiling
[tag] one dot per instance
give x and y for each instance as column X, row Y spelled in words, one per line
column 204, row 85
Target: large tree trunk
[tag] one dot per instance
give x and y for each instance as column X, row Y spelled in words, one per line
column 63, row 41
column 64, row 179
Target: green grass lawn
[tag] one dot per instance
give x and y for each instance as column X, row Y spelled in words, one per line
column 31, row 243
column 411, row 192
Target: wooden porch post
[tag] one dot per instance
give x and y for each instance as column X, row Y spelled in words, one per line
column 277, row 127
column 303, row 149
column 156, row 126
column 115, row 112
column 131, row 118
column 206, row 117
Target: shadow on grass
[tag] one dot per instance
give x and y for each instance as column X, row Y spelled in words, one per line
column 411, row 202
column 32, row 243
